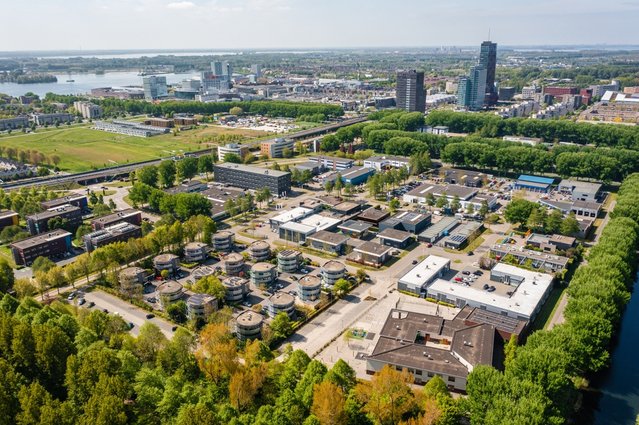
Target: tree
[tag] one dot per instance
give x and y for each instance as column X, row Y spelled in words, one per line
column 148, row 175
column 483, row 210
column 553, row 222
column 281, row 325
column 42, row 265
column 232, row 157
column 6, row 276
column 187, row 168
column 518, row 211
column 388, row 396
column 442, row 202
column 166, row 173
column 205, row 165
column 329, row 186
column 570, row 225
column 343, row 376
column 149, row 342
column 338, row 185
column 210, row 285
column 328, row 404
column 236, row 110
column 394, row 205
column 455, row 204
column 419, row 163
column 535, row 220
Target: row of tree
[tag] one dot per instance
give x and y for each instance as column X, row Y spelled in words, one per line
column 534, row 217
column 490, row 125
column 181, row 205
column 542, row 377
column 165, row 174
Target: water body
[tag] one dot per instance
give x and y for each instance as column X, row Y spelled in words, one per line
column 618, row 400
column 83, row 83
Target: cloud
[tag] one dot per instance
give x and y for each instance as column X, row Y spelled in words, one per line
column 181, row 5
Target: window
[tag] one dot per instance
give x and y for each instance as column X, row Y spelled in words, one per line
column 431, row 374
column 451, row 379
column 418, row 372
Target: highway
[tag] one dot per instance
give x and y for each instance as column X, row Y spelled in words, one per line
column 123, row 170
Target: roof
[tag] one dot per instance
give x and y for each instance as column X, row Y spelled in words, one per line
column 403, row 342
column 281, row 299
column 522, row 301
column 200, row 299
column 425, row 271
column 373, row 248
column 169, row 287
column 309, row 281
column 586, row 205
column 333, row 265
column 120, row 215
column 293, row 226
column 252, row 169
column 536, row 179
column 451, row 190
column 355, row 226
column 62, row 200
column 54, row 212
column 446, row 223
column 387, row 158
column 165, row 258
column 320, row 222
column 346, row 206
column 294, row 214
column 373, row 214
column 249, row 318
column 394, row 235
column 40, row 239
column 262, row 267
column 502, row 323
column 328, row 237
column 407, row 217
column 7, row 213
column 589, row 187
column 288, row 253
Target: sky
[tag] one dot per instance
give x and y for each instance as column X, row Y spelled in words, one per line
column 272, row 24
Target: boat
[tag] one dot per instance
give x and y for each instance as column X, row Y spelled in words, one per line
column 70, row 81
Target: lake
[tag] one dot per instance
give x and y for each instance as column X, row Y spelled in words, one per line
column 83, row 83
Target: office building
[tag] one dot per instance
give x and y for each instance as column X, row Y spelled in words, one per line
column 373, row 216
column 488, row 59
column 429, row 346
column 236, row 288
column 309, row 287
column 370, row 254
column 354, row 175
column 132, row 276
column 259, row 251
column 233, row 264
column 464, row 234
column 395, row 238
column 438, row 230
column 330, row 242
column 533, row 183
column 249, row 177
column 332, row 271
column 212, row 83
column 8, row 218
column 154, row 87
column 129, row 128
column 579, row 190
column 380, row 163
column 263, row 274
column 120, row 232
column 50, row 119
column 464, row 177
column 472, row 89
column 200, row 306
column 355, row 228
column 281, row 302
column 169, row 291
column 409, row 92
column 295, row 214
column 169, row 262
column 275, row 148
column 195, row 252
column 506, row 93
column 14, row 123
column 332, row 163
column 256, row 69
column 129, row 215
column 248, row 325
column 222, row 241
column 233, row 148
column 419, row 277
column 79, row 201
column 541, row 261
column 88, row 110
column 298, row 231
column 54, row 244
column 39, row 222
column 407, row 221
column 288, row 261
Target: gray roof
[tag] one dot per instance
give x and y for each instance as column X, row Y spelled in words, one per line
column 354, row 225
column 394, row 234
column 252, row 169
column 40, row 239
column 330, row 238
column 373, row 248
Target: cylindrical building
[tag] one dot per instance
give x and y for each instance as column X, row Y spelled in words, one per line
column 288, row 260
column 281, row 302
column 233, row 264
column 259, row 251
column 201, row 305
column 195, row 252
column 332, row 271
column 263, row 274
column 236, row 288
column 248, row 325
column 168, row 262
column 131, row 276
column 309, row 288
column 223, row 241
column 169, row 291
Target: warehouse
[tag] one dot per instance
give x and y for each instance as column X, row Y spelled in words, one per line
column 355, row 228
column 533, row 183
column 580, row 191
column 463, row 235
column 408, row 221
column 424, row 273
column 442, row 228
column 395, row 238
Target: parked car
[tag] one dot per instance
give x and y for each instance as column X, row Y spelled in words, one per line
column 81, row 301
column 71, row 296
column 466, row 272
column 415, row 262
column 150, row 316
column 91, row 304
column 458, row 279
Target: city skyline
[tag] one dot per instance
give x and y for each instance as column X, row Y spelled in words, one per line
column 245, row 24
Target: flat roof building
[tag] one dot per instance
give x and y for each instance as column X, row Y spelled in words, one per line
column 275, row 148
column 79, row 201
column 288, row 260
column 295, row 214
column 395, row 238
column 170, row 262
column 373, row 215
column 538, row 260
column 309, row 287
column 299, row 231
column 259, row 251
column 327, row 241
column 463, row 235
column 550, row 243
column 250, row 177
column 232, row 148
column 233, row 264
column 53, row 244
column 332, row 162
column 236, row 288
column 200, row 306
column 194, row 252
column 129, row 215
column 120, row 232
column 464, row 177
column 39, row 222
column 533, row 183
column 439, row 229
column 371, row 254
column 423, row 274
column 408, row 221
column 380, row 163
column 332, row 271
column 355, row 228
column 248, row 325
column 580, row 191
column 263, row 274
column 521, row 293
column 8, row 218
column 281, row 302
column 223, row 241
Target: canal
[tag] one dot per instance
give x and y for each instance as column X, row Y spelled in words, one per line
column 615, row 400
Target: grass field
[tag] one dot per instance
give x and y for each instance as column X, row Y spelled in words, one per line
column 82, row 148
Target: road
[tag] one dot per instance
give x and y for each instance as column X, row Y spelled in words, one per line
column 128, row 312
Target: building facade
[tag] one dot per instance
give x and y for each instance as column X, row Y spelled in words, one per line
column 410, row 95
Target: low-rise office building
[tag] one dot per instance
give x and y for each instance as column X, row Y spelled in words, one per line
column 419, row 277
column 533, row 183
column 233, row 264
column 542, row 261
column 129, row 215
column 263, row 274
column 421, row 194
column 438, row 230
column 288, row 260
column 281, row 302
column 248, row 325
column 380, row 163
column 236, row 288
column 88, row 110
column 295, row 214
column 39, row 222
column 194, row 252
column 250, row 177
column 327, row 241
column 275, row 148
column 193, row 186
column 347, row 208
column 200, row 306
column 395, row 238
column 580, row 191
column 332, row 271
column 355, row 228
column 132, row 276
column 463, row 235
column 169, row 262
column 309, row 287
column 429, row 346
column 54, row 244
column 259, row 251
column 412, row 222
column 299, row 231
column 550, row 243
column 169, row 291
column 79, row 201
column 120, row 232
column 464, row 177
column 223, row 241
column 354, row 175
column 8, row 218
column 370, row 254
column 373, row 215
column 332, row 163
column 232, row 148
column 50, row 119
column 14, row 123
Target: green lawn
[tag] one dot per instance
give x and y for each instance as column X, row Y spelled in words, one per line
column 83, row 149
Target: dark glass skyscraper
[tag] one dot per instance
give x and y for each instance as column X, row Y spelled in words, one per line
column 488, row 58
column 409, row 93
